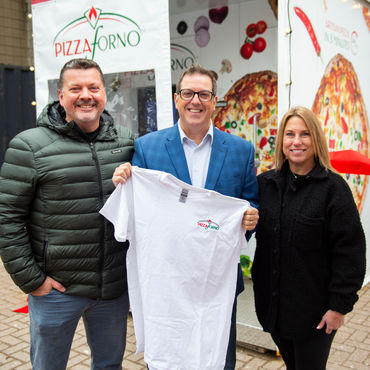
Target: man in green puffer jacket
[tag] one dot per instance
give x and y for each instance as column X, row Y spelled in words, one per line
column 53, row 242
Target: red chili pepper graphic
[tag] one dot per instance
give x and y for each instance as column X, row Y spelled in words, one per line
column 303, row 17
column 344, row 125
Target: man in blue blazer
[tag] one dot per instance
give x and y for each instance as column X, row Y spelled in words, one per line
column 197, row 153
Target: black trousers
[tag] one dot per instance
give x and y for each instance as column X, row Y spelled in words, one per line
column 308, row 353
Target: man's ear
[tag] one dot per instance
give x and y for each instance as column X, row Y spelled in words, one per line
column 215, row 101
column 175, row 98
column 60, row 93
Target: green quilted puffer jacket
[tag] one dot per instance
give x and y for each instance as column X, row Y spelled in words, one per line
column 53, row 182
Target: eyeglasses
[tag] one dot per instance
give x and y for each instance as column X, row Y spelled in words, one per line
column 204, row 96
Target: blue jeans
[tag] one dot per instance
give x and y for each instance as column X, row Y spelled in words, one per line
column 53, row 321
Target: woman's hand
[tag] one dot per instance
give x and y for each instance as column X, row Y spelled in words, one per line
column 333, row 320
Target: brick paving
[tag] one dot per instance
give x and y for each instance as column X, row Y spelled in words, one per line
column 350, row 349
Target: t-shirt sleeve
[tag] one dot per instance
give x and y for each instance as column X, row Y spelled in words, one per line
column 118, row 210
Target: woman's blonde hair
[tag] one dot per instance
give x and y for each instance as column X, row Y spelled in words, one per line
column 319, row 144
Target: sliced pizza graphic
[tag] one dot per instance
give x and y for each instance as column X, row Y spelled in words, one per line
column 340, row 107
column 250, row 111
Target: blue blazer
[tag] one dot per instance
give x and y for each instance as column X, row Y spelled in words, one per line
column 231, row 168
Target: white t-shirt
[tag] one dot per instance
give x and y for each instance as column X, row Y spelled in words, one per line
column 181, row 265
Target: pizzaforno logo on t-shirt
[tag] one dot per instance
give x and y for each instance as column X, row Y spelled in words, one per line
column 208, row 225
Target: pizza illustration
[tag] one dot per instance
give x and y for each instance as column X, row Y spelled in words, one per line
column 366, row 14
column 249, row 110
column 340, row 108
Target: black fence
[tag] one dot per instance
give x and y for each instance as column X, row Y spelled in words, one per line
column 17, row 91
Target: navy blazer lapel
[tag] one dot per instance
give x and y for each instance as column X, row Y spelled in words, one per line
column 216, row 162
column 177, row 155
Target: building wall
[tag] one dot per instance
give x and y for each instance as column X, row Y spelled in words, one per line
column 17, row 88
column 15, row 33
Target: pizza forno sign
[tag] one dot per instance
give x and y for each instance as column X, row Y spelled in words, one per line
column 96, row 31
column 121, row 36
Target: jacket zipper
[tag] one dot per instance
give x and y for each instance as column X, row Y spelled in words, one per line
column 45, row 254
column 102, row 234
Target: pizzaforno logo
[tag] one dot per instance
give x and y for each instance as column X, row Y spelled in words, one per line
column 96, row 31
column 181, row 57
column 208, row 225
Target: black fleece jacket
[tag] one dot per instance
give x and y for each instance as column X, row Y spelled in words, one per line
column 310, row 254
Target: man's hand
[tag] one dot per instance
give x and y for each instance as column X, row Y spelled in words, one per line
column 250, row 219
column 121, row 174
column 47, row 286
column 333, row 320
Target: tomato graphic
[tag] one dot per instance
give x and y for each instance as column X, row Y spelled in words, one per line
column 261, row 26
column 259, row 44
column 246, row 50
column 251, row 30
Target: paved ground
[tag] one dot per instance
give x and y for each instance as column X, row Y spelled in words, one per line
column 350, row 350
